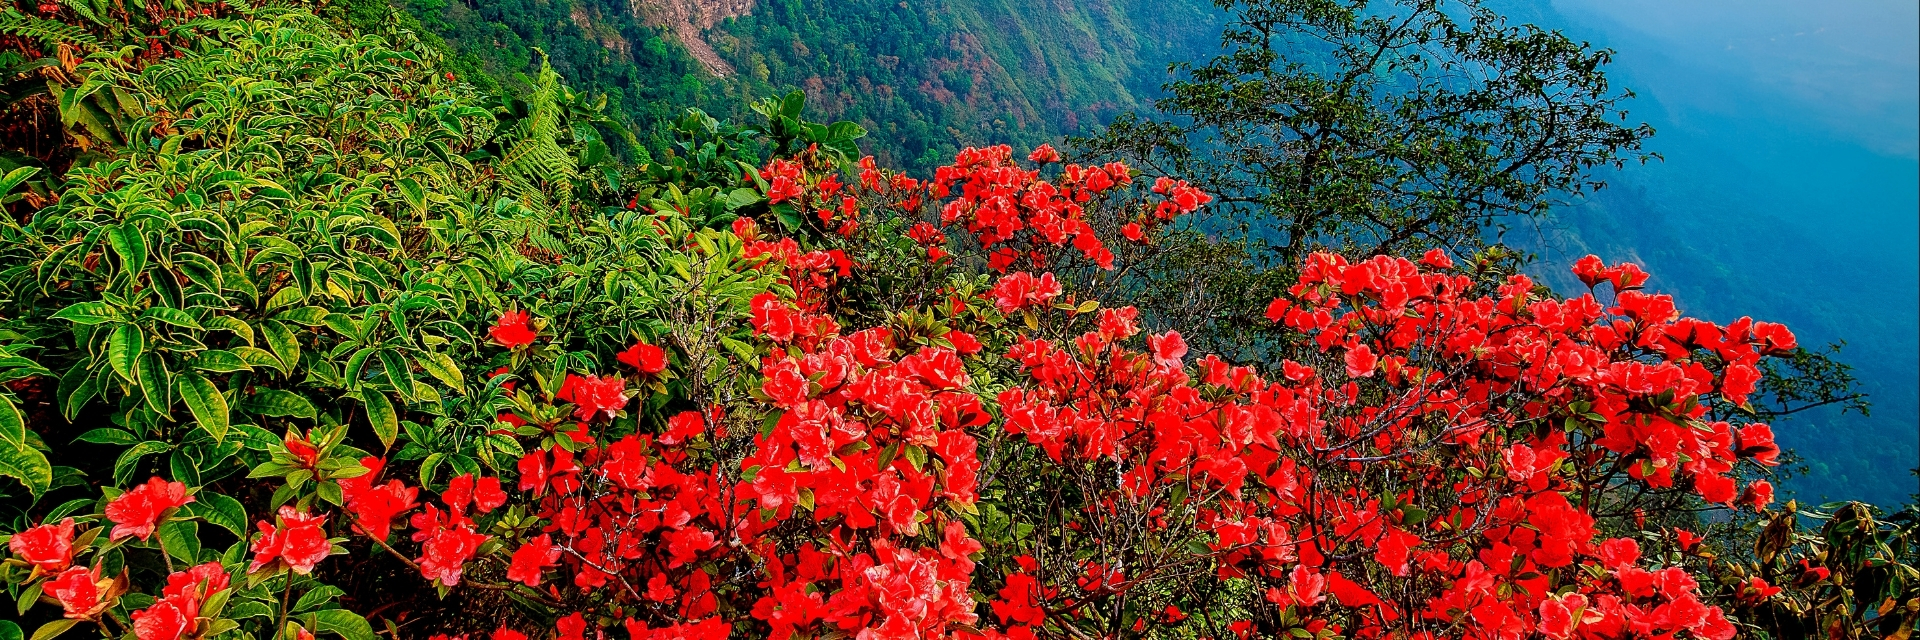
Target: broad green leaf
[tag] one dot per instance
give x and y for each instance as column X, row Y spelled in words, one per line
column 398, row 373
column 131, row 244
column 172, row 316
column 208, row 405
column 441, row 366
column 344, row 623
column 386, row 423
column 51, row 630
column 233, row 325
column 283, row 343
column 308, row 316
column 108, row 435
column 219, row 361
column 124, row 349
column 275, row 402
column 155, row 382
column 317, row 596
column 258, row 357
column 123, row 467
column 180, row 539
column 88, row 313
column 18, row 458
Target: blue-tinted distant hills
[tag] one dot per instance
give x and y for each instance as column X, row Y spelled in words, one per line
column 1790, row 192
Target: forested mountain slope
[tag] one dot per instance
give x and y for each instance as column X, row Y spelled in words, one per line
column 923, row 76
column 929, row 77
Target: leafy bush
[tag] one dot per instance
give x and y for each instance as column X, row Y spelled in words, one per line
column 346, row 348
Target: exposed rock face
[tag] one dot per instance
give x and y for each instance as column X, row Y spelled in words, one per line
column 689, row 20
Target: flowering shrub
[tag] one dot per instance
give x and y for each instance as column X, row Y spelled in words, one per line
column 896, row 416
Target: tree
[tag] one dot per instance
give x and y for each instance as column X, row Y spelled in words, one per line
column 1383, row 126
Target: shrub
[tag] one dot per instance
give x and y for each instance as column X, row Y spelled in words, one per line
column 363, row 342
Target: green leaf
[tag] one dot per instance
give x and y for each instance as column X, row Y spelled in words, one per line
column 9, row 630
column 386, row 423
column 131, row 244
column 18, row 458
column 441, row 366
column 233, row 325
column 123, row 467
column 108, row 435
column 275, row 402
column 281, row 340
column 218, row 510
column 208, row 405
column 53, row 629
column 308, row 316
column 155, row 382
column 257, row 357
column 88, row 313
column 124, row 349
column 172, row 316
column 344, row 623
column 180, row 539
column 398, row 373
column 317, row 596
column 219, row 361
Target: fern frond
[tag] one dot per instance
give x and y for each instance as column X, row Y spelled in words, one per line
column 52, row 33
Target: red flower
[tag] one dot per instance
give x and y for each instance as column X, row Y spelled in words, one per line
column 48, row 547
column 198, row 582
column 1361, row 361
column 445, row 553
column 168, row 619
column 1619, row 552
column 298, row 542
column 772, row 317
column 137, row 512
column 1714, row 487
column 1759, row 494
column 78, row 590
column 1044, row 154
column 645, row 357
column 511, row 330
column 531, row 559
column 682, row 427
column 1558, row 616
column 572, row 627
column 1739, row 383
column 1687, row 539
column 504, row 633
column 1168, row 348
column 374, row 508
column 301, row 450
column 785, row 384
column 1437, row 259
column 1020, row 290
column 1133, row 232
column 593, row 395
column 1756, row 441
column 1590, row 270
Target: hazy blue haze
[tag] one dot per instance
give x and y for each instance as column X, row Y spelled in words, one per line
column 1790, row 192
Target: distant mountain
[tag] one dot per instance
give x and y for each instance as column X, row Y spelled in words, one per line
column 924, row 75
column 1790, row 192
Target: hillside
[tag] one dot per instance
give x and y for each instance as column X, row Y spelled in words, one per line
column 930, row 77
column 925, row 77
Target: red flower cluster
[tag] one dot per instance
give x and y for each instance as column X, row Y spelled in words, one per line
column 137, row 512
column 48, row 547
column 177, row 613
column 996, row 201
column 297, row 542
column 512, row 331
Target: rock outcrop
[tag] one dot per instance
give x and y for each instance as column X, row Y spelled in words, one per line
column 689, row 21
